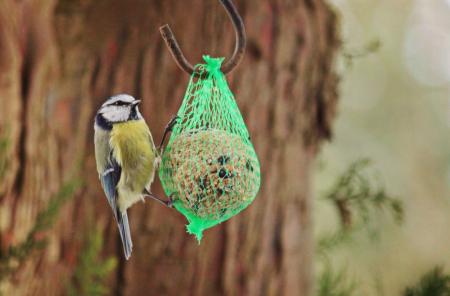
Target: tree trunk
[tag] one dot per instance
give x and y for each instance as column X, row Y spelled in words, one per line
column 60, row 59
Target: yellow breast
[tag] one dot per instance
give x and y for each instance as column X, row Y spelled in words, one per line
column 134, row 151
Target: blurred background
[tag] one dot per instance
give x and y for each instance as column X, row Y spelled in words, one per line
column 394, row 109
column 348, row 107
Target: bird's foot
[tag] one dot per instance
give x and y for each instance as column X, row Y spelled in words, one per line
column 168, row 203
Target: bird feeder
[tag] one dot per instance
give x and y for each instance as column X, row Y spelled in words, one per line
column 209, row 167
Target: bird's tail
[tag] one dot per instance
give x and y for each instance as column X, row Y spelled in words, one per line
column 125, row 235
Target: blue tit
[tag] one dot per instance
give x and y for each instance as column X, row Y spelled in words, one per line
column 126, row 158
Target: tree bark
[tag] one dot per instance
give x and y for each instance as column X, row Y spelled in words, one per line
column 60, row 59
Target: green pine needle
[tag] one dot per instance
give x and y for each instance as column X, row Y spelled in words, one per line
column 91, row 271
column 356, row 197
column 433, row 283
column 4, row 160
column 357, row 200
column 12, row 259
column 333, row 283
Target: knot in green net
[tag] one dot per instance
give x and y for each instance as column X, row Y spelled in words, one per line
column 209, row 167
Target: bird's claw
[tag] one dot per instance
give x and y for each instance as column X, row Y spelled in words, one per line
column 170, row 201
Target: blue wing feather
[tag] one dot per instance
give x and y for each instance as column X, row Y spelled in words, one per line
column 109, row 179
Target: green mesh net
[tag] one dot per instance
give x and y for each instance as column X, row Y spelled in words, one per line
column 209, row 167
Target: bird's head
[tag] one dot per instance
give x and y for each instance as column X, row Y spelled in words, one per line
column 120, row 108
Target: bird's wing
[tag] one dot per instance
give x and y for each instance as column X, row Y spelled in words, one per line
column 109, row 179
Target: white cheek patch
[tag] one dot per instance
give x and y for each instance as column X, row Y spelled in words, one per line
column 116, row 113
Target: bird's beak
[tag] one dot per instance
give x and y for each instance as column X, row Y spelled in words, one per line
column 136, row 102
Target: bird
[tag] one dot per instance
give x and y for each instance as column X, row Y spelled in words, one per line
column 126, row 159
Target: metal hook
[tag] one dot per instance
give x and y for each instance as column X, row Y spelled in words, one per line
column 239, row 48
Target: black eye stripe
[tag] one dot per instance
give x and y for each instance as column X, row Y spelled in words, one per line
column 119, row 103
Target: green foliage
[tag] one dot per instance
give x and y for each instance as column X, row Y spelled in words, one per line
column 433, row 283
column 356, row 200
column 11, row 259
column 4, row 146
column 350, row 55
column 330, row 241
column 356, row 197
column 91, row 271
column 333, row 283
